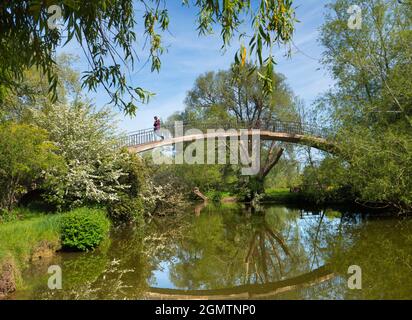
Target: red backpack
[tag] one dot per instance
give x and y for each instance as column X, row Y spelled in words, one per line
column 157, row 124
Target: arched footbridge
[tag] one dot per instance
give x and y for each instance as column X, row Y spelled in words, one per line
column 274, row 130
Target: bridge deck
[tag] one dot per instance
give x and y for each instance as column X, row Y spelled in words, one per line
column 294, row 132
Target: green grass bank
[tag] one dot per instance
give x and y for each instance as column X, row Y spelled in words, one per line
column 37, row 236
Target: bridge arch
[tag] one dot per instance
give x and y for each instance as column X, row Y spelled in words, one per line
column 293, row 132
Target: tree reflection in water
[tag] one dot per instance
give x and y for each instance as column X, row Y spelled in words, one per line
column 226, row 247
column 232, row 248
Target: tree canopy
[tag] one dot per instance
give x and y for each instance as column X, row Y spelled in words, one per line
column 237, row 94
column 24, row 158
column 107, row 33
column 370, row 107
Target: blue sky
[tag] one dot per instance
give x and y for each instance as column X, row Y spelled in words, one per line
column 189, row 55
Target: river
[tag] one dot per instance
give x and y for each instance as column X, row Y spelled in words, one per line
column 226, row 252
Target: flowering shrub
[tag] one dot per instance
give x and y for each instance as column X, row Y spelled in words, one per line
column 86, row 140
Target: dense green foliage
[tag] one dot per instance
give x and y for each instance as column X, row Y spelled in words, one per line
column 31, row 91
column 282, row 195
column 320, row 187
column 26, row 154
column 369, row 108
column 129, row 207
column 126, row 209
column 84, row 229
column 186, row 177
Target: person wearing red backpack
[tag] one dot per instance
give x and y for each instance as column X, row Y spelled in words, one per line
column 156, row 127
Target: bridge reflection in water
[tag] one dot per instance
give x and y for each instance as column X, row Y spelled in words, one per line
column 267, row 251
column 251, row 291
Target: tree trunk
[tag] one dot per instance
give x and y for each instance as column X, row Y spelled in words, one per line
column 271, row 162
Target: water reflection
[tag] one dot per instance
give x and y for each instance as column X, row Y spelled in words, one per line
column 225, row 252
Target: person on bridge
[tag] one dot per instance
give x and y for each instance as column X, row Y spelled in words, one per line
column 156, row 128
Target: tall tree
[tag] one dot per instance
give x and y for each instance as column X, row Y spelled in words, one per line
column 237, row 95
column 371, row 104
column 372, row 65
column 31, row 92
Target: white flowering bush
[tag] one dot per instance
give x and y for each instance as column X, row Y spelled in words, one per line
column 86, row 139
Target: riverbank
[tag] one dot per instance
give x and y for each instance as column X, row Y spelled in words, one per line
column 278, row 195
column 274, row 195
column 23, row 241
column 284, row 196
column 35, row 236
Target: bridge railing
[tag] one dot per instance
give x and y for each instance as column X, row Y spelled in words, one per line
column 137, row 138
column 291, row 127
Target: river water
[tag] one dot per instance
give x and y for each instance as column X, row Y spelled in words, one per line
column 226, row 252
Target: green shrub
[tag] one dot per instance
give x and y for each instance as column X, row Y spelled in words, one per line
column 214, row 196
column 136, row 173
column 126, row 209
column 7, row 216
column 84, row 229
column 217, row 196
